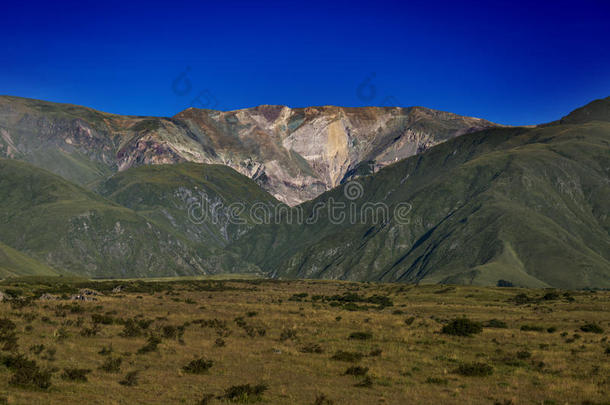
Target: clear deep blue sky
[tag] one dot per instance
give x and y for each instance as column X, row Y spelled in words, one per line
column 508, row 62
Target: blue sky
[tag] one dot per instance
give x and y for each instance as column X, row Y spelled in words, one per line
column 510, row 62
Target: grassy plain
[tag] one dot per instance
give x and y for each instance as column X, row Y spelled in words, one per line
column 300, row 342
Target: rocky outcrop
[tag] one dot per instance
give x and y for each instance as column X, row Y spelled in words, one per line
column 294, row 153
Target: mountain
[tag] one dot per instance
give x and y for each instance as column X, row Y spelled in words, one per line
column 15, row 263
column 294, row 154
column 499, row 205
column 528, row 206
column 67, row 227
column 195, row 200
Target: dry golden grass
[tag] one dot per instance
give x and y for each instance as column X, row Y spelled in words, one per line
column 417, row 363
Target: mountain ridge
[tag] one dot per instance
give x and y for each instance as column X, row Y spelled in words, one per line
column 295, row 154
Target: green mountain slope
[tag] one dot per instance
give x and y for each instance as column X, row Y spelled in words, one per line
column 14, row 263
column 193, row 199
column 68, row 227
column 525, row 205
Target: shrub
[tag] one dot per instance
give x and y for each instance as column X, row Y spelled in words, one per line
column 131, row 329
column 474, row 369
column 462, row 327
column 504, row 283
column 375, row 352
column 361, row 335
column 523, row 354
column 198, row 366
column 298, row 297
column 312, row 348
column 89, row 332
column 150, row 346
column 61, row 334
column 356, row 371
column 352, row 357
column 288, row 334
column 26, row 373
column 130, row 379
column 323, row 400
column 521, row 299
column 103, row 319
column 495, row 323
column 350, row 306
column 592, row 328
column 112, row 365
column 437, row 380
column 105, row 351
column 409, row 320
column 49, row 354
column 551, row 296
column 6, row 326
column 75, row 374
column 37, row 349
column 245, row 393
column 532, row 328
column 205, row 400
column 170, row 332
column 366, row 382
column 220, row 342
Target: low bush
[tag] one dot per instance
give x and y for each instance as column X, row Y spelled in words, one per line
column 323, row 400
column 591, row 328
column 90, row 332
column 130, row 379
column 206, row 399
column 312, row 348
column 356, row 371
column 198, row 366
column 245, row 393
column 103, row 319
column 495, row 323
column 37, row 349
column 551, row 296
column 437, row 381
column 474, row 369
column 521, row 299
column 366, row 382
column 462, row 327
column 288, row 334
column 112, row 365
column 151, row 345
column 532, row 328
column 131, row 328
column 26, row 373
column 361, row 335
column 105, row 351
column 75, row 374
column 352, row 357
column 375, row 352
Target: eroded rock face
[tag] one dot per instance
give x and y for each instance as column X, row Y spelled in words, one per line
column 294, row 153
